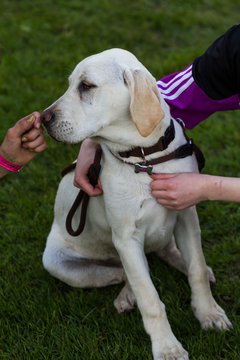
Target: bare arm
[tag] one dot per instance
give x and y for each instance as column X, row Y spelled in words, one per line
column 84, row 161
column 179, row 191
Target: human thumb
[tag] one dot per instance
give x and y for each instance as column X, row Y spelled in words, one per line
column 162, row 176
column 24, row 124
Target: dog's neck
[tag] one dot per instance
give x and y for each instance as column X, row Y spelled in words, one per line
column 123, row 136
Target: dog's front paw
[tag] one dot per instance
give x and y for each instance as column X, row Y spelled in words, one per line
column 213, row 317
column 168, row 350
column 125, row 301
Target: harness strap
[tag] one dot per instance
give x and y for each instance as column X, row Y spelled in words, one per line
column 161, row 145
column 197, row 151
column 82, row 197
column 181, row 152
column 199, row 156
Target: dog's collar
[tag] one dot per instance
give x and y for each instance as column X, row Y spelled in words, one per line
column 181, row 152
column 141, row 152
column 161, row 145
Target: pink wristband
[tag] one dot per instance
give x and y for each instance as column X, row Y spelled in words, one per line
column 9, row 166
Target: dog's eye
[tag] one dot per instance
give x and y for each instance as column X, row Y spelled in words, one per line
column 84, row 86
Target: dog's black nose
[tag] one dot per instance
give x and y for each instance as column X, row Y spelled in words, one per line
column 47, row 117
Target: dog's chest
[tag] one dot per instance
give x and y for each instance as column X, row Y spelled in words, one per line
column 129, row 204
column 156, row 224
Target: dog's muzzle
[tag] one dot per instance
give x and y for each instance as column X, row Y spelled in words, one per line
column 48, row 117
column 56, row 127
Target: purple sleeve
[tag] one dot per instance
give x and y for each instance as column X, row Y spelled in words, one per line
column 187, row 100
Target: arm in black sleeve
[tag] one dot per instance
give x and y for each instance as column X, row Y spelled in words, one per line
column 217, row 71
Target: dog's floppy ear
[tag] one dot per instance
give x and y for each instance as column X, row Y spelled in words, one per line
column 145, row 105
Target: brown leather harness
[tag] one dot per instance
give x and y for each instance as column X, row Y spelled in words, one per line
column 144, row 166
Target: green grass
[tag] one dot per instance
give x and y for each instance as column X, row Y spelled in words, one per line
column 40, row 43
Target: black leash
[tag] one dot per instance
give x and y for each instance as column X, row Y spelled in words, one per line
column 82, row 197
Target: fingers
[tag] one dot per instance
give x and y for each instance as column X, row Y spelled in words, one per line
column 40, row 148
column 36, row 143
column 160, row 185
column 26, row 123
column 162, row 176
column 167, row 200
column 164, row 190
column 85, row 185
column 164, row 197
column 163, row 181
column 33, row 139
column 85, row 159
column 177, row 191
column 31, row 135
column 37, row 122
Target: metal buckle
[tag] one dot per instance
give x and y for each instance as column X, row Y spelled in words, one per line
column 142, row 167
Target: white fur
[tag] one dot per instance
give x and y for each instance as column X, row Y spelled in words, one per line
column 126, row 222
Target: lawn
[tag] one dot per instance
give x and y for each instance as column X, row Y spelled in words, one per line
column 40, row 43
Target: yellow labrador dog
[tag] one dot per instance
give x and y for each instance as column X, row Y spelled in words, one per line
column 113, row 99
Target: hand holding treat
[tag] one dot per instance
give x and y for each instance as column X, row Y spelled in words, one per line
column 21, row 144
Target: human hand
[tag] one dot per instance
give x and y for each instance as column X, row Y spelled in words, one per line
column 24, row 140
column 178, row 191
column 84, row 161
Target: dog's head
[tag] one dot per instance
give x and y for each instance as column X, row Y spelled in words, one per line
column 105, row 91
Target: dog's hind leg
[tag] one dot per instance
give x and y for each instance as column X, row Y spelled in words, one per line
column 126, row 300
column 68, row 266
column 172, row 256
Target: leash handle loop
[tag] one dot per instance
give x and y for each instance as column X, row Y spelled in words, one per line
column 83, row 197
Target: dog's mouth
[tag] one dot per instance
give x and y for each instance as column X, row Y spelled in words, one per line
column 58, row 129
